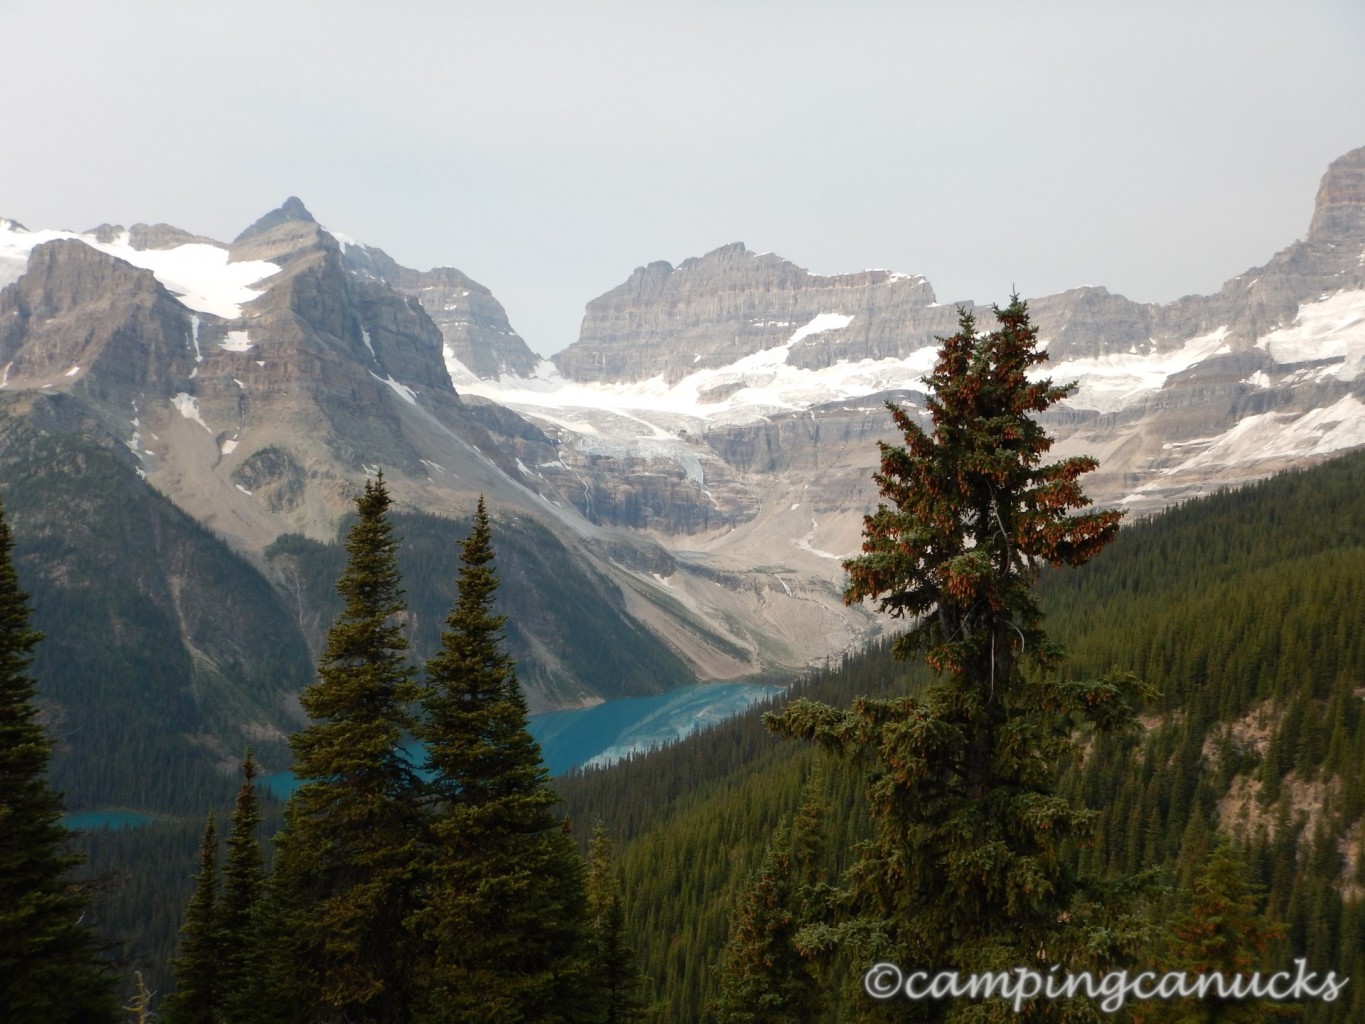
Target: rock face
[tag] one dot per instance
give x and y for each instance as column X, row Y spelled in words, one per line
column 142, row 237
column 716, row 470
column 1339, row 212
column 475, row 331
column 714, row 310
column 292, row 209
column 80, row 314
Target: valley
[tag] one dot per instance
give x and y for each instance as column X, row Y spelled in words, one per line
column 185, row 423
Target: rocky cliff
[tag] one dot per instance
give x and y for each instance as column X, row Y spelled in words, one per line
column 713, row 310
column 733, row 404
column 82, row 314
column 706, row 446
column 477, row 337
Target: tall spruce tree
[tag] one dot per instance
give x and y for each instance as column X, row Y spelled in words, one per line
column 504, row 917
column 348, row 851
column 48, row 959
column 968, row 866
column 195, row 999
column 241, row 964
column 1221, row 927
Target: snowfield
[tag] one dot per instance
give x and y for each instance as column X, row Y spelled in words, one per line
column 200, row 275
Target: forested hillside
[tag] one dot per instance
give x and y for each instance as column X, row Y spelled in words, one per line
column 1245, row 610
column 166, row 651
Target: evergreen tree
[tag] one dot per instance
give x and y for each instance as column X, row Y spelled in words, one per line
column 241, row 967
column 348, row 850
column 504, row 915
column 764, row 977
column 196, row 994
column 1220, row 928
column 615, row 973
column 48, row 968
column 969, row 864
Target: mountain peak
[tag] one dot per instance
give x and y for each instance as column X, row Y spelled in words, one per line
column 1339, row 212
column 291, row 209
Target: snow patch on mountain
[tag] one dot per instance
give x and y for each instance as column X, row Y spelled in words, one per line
column 202, row 276
column 188, row 406
column 1269, row 437
column 1272, row 435
column 1332, row 327
column 401, row 390
column 754, row 387
column 1112, row 382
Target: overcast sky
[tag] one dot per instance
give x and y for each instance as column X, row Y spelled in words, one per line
column 549, row 148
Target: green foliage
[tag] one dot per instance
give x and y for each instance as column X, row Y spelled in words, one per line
column 502, row 910
column 242, row 967
column 197, row 989
column 764, row 975
column 222, row 971
column 613, row 966
column 349, row 847
column 975, row 514
column 48, row 970
column 967, row 867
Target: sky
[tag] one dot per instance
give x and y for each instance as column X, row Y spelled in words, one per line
column 549, row 148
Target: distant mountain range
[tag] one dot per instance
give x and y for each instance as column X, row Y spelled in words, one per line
column 699, row 459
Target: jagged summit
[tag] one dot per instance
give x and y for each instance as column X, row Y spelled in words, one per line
column 1339, row 211
column 478, row 339
column 711, row 310
column 142, row 237
column 291, row 209
column 709, row 439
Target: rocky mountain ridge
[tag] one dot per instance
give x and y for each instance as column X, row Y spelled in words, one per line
column 256, row 384
column 744, row 360
column 707, row 444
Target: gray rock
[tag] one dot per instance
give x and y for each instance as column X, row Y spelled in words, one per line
column 292, row 209
column 473, row 324
column 715, row 309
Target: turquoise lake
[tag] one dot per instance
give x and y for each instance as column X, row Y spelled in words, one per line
column 615, row 728
column 581, row 736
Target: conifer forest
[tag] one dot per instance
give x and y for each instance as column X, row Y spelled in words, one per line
column 1083, row 745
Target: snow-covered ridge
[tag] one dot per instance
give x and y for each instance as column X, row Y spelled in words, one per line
column 764, row 383
column 758, row 385
column 200, row 275
column 654, row 419
column 1113, row 382
column 1332, row 327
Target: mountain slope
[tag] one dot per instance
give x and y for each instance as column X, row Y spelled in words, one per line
column 256, row 384
column 165, row 654
column 729, row 408
column 1244, row 609
column 708, row 443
